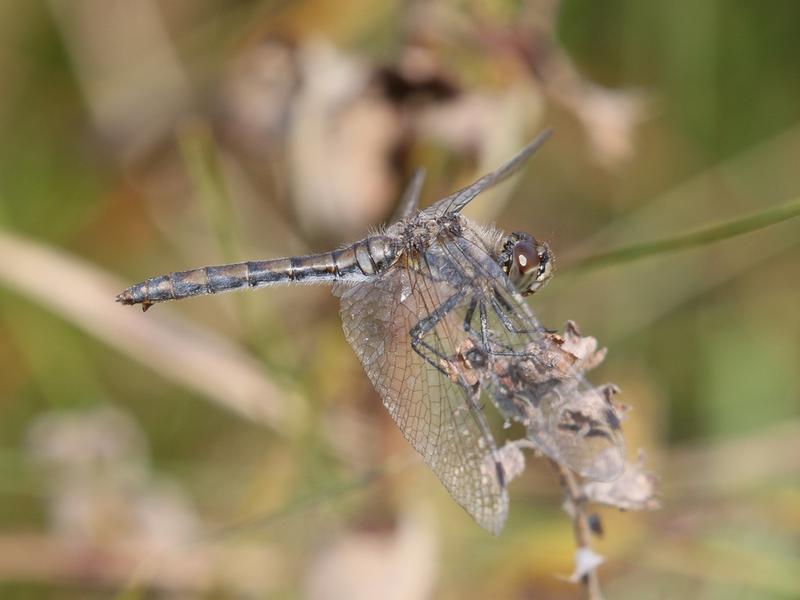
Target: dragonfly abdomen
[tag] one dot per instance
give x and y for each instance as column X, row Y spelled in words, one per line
column 353, row 263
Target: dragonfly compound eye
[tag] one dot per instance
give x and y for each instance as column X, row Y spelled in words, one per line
column 526, row 259
column 528, row 263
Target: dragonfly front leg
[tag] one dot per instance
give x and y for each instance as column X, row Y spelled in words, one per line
column 501, row 308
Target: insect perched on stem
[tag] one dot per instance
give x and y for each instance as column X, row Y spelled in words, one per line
column 433, row 308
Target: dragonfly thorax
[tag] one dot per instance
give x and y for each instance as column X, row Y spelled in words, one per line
column 422, row 232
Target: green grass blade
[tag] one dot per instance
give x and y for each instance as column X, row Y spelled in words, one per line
column 695, row 239
column 202, row 160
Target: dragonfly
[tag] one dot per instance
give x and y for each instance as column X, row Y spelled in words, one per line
column 433, row 307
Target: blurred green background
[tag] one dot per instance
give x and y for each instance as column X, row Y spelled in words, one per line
column 232, row 447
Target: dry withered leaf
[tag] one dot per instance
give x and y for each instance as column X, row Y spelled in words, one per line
column 583, row 348
column 635, row 489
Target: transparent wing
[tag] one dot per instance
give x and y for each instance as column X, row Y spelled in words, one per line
column 434, row 405
column 459, row 199
column 530, row 377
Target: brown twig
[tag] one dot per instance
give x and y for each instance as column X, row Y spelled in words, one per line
column 576, row 500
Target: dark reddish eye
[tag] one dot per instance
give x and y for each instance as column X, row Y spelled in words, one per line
column 525, row 256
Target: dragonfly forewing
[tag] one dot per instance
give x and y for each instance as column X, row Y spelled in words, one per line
column 436, row 409
column 459, row 199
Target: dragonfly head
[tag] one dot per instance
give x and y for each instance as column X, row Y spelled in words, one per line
column 527, row 262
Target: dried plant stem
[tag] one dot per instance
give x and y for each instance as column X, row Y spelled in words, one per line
column 576, row 500
column 180, row 351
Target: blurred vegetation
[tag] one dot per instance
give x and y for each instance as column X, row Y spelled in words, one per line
column 141, row 138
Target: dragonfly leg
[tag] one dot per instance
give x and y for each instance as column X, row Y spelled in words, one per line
column 473, row 305
column 502, row 308
column 493, row 348
column 426, row 325
column 470, row 312
column 484, row 331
